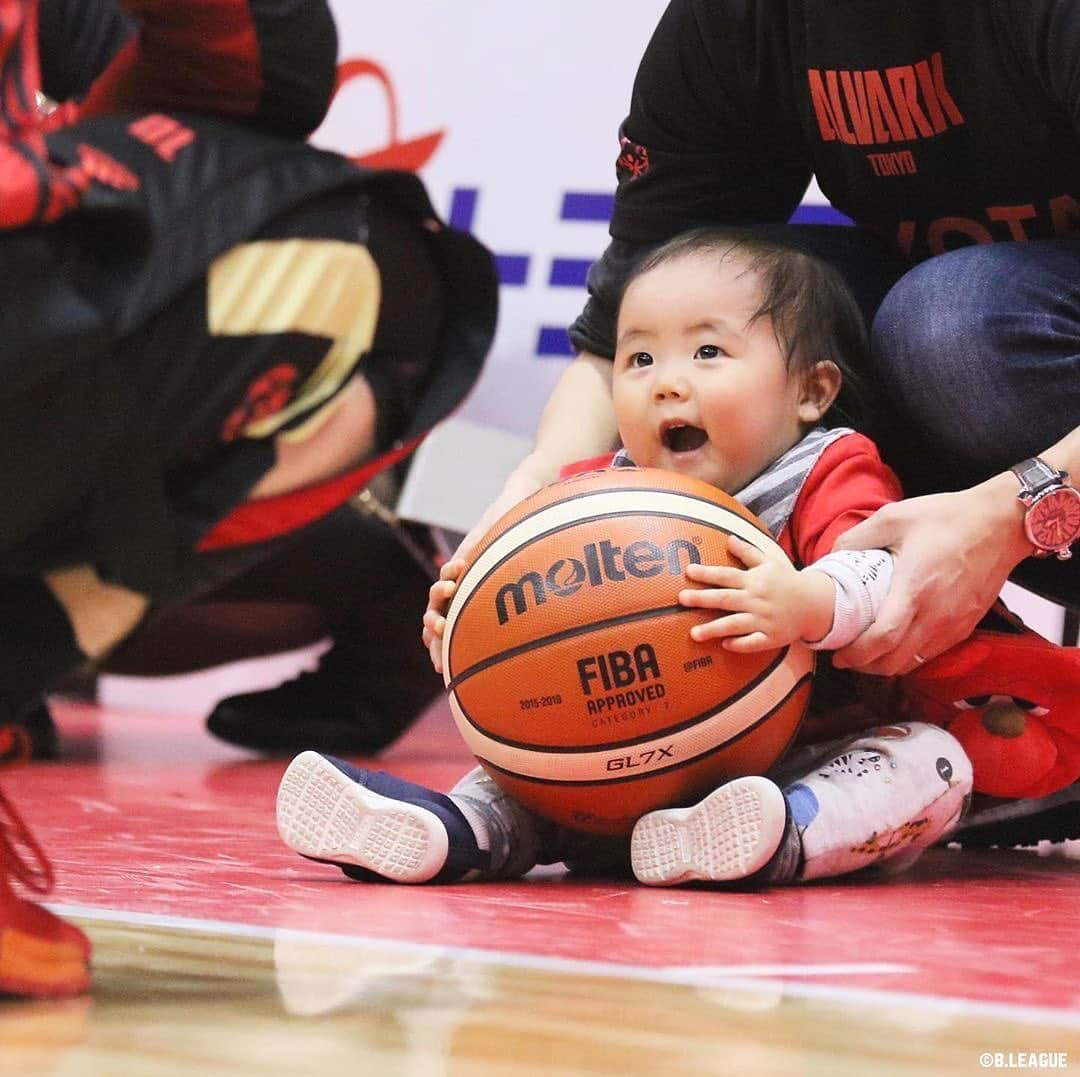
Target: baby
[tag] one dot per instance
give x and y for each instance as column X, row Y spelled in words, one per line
column 732, row 365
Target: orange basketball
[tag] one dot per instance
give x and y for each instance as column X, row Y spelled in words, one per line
column 568, row 659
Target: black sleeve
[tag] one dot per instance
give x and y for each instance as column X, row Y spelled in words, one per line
column 77, row 39
column 298, row 47
column 713, row 137
column 1050, row 36
column 594, row 329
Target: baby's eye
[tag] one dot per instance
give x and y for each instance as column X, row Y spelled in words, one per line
column 640, row 359
column 708, row 351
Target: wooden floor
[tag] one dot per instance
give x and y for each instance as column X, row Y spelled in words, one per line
column 219, row 951
column 182, row 1002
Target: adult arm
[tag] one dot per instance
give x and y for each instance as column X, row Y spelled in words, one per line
column 712, row 137
column 955, row 550
column 953, row 553
column 576, row 422
column 77, row 41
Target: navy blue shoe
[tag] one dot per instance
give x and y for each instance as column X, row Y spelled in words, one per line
column 372, row 825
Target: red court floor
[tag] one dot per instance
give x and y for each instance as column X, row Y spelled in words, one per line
column 151, row 819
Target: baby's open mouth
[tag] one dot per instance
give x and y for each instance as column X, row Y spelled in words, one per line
column 683, row 438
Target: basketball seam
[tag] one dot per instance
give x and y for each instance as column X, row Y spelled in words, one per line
column 556, row 637
column 669, row 731
column 622, row 515
column 632, row 490
column 682, row 764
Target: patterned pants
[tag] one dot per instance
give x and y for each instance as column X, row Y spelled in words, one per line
column 878, row 798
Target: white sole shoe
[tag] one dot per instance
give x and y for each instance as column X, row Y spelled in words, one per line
column 323, row 814
column 729, row 835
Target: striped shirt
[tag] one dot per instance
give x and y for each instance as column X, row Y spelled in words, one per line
column 772, row 495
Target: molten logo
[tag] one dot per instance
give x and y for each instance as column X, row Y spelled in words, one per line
column 600, row 563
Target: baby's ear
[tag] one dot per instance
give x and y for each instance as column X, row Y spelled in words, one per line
column 820, row 386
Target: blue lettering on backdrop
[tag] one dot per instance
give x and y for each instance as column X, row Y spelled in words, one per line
column 587, row 207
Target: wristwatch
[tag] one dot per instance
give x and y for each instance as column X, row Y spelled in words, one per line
column 1052, row 519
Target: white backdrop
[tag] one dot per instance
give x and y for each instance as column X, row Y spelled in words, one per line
column 527, row 99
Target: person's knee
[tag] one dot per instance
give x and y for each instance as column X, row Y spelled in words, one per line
column 926, row 318
column 976, row 349
column 968, row 312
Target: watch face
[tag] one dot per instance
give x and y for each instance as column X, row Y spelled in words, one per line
column 1053, row 522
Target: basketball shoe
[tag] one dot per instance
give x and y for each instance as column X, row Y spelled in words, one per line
column 741, row 831
column 355, row 703
column 40, row 954
column 372, row 825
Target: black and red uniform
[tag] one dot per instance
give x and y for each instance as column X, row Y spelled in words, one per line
column 179, row 136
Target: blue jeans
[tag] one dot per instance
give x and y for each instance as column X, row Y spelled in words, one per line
column 976, row 360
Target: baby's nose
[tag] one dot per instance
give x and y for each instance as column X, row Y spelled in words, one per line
column 669, row 389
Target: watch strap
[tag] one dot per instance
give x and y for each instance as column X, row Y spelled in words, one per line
column 1036, row 475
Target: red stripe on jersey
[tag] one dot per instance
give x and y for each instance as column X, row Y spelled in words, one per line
column 269, row 517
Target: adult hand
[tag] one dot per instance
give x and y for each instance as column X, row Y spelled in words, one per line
column 953, row 552
column 521, row 483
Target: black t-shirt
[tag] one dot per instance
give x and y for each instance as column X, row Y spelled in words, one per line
column 933, row 124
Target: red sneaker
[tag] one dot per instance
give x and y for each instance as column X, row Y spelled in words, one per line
column 40, row 954
column 1012, row 699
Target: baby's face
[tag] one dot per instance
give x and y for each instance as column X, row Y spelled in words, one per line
column 697, row 389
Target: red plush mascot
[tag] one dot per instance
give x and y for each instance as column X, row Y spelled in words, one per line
column 1012, row 699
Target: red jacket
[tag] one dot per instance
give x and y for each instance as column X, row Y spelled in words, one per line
column 847, row 483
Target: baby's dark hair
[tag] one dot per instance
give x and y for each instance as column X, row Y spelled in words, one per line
column 814, row 315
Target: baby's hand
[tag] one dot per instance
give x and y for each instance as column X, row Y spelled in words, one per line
column 769, row 603
column 518, row 486
column 439, row 595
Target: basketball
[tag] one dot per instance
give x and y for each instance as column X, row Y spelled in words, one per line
column 569, row 664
